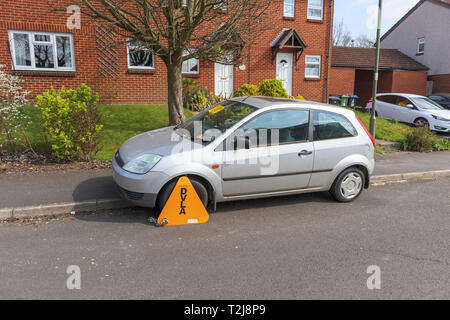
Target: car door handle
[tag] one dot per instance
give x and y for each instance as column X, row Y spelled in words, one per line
column 305, row 153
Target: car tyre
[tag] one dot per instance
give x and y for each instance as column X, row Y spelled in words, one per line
column 421, row 122
column 349, row 185
column 199, row 187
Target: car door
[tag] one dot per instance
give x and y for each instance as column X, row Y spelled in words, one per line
column 280, row 157
column 406, row 110
column 335, row 138
column 385, row 106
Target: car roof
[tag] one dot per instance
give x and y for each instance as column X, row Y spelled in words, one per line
column 266, row 102
column 440, row 94
column 405, row 95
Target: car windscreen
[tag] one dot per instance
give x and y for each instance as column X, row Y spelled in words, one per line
column 426, row 104
column 214, row 121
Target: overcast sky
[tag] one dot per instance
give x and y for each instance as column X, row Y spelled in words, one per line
column 360, row 16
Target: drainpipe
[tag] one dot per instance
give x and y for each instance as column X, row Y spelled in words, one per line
column 330, row 39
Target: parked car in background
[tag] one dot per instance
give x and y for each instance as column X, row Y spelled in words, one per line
column 442, row 99
column 314, row 147
column 414, row 109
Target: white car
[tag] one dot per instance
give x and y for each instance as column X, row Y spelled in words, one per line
column 411, row 108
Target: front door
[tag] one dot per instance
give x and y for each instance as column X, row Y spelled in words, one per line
column 223, row 80
column 284, row 70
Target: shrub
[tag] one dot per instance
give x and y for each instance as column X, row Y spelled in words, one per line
column 299, row 98
column 441, row 144
column 247, row 90
column 12, row 100
column 201, row 99
column 72, row 119
column 272, row 88
column 420, row 140
column 189, row 86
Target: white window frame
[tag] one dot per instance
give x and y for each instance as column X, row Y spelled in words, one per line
column 420, row 41
column 310, row 6
column 290, row 4
column 32, row 42
column 188, row 63
column 138, row 67
column 319, row 64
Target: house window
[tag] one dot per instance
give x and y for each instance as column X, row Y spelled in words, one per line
column 289, row 8
column 312, row 67
column 315, row 9
column 421, row 46
column 190, row 66
column 42, row 51
column 139, row 57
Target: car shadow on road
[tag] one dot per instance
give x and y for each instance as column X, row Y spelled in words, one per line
column 141, row 215
column 95, row 188
column 280, row 201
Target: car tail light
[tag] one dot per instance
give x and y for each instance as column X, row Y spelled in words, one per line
column 367, row 131
column 370, row 100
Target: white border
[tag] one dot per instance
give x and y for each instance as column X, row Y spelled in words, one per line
column 31, row 42
column 318, row 63
column 314, row 7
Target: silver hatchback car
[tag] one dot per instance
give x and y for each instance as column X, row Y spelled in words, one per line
column 250, row 147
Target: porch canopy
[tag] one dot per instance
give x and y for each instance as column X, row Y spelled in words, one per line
column 288, row 39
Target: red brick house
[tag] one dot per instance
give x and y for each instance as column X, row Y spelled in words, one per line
column 36, row 43
column 352, row 73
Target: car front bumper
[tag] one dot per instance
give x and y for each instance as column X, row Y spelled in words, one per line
column 141, row 190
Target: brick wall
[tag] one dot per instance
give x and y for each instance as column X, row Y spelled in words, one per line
column 360, row 82
column 409, row 82
column 441, row 83
column 131, row 87
column 342, row 81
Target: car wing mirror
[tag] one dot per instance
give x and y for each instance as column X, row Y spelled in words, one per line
column 410, row 106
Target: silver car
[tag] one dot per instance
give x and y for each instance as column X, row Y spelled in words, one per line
column 246, row 148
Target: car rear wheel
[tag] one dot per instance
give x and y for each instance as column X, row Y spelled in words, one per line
column 165, row 193
column 421, row 122
column 348, row 186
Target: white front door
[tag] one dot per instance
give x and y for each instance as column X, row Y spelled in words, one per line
column 223, row 80
column 284, row 70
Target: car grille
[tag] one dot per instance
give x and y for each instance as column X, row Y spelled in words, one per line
column 130, row 195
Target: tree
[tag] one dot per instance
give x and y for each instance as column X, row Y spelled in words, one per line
column 341, row 36
column 178, row 30
column 363, row 41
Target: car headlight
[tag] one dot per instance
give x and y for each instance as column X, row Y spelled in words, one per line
column 142, row 164
column 440, row 118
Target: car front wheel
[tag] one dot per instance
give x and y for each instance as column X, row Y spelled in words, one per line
column 421, row 122
column 348, row 185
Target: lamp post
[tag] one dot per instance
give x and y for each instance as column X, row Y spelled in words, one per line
column 373, row 119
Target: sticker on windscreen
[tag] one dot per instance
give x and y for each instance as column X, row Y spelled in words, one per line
column 216, row 109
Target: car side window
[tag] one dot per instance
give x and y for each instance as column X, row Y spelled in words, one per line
column 277, row 127
column 328, row 125
column 388, row 99
column 403, row 102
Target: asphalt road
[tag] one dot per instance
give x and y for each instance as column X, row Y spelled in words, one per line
column 297, row 247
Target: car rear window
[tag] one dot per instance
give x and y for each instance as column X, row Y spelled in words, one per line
column 329, row 125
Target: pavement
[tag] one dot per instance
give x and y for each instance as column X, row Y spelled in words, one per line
column 295, row 247
column 27, row 194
